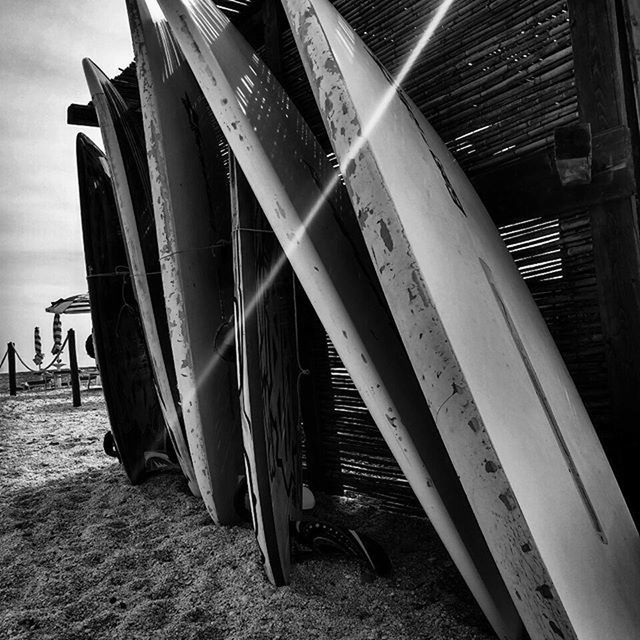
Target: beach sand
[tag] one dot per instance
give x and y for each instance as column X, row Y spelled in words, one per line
column 83, row 554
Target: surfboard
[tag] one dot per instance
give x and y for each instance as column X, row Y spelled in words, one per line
column 307, row 208
column 502, row 399
column 134, row 412
column 124, row 146
column 267, row 378
column 191, row 210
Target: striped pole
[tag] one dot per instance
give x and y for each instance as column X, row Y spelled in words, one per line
column 37, row 341
column 57, row 334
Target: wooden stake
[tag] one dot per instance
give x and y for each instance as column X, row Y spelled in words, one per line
column 73, row 365
column 11, row 356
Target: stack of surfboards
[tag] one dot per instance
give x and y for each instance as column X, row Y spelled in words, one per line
column 413, row 285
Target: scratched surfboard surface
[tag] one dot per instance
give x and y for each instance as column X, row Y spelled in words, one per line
column 508, row 412
column 127, row 380
column 124, row 143
column 309, row 211
column 191, row 213
column 267, row 377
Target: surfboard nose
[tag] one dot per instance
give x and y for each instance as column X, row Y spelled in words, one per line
column 95, row 77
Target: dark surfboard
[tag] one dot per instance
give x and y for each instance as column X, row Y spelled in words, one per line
column 134, row 412
column 267, row 372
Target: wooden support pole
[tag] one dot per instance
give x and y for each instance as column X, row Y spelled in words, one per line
column 11, row 357
column 604, row 101
column 73, row 365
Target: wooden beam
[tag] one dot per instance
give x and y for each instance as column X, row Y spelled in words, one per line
column 532, row 187
column 73, row 365
column 83, row 115
column 603, row 98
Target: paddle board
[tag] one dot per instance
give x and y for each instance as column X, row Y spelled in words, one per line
column 502, row 399
column 134, row 412
column 301, row 195
column 125, row 152
column 190, row 197
column 267, row 378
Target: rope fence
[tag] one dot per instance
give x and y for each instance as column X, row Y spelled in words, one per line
column 70, row 340
column 43, row 369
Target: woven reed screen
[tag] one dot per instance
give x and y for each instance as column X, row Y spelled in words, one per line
column 555, row 256
column 495, row 82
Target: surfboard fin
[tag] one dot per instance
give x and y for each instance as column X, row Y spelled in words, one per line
column 158, row 461
column 241, row 500
column 327, row 538
column 109, row 445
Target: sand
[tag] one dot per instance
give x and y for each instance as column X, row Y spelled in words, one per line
column 83, row 554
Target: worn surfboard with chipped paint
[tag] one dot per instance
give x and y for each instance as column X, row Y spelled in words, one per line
column 509, row 414
column 134, row 412
column 193, row 222
column 267, row 377
column 306, row 206
column 127, row 164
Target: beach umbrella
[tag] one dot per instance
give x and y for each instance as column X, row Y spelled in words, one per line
column 73, row 304
column 57, row 334
column 38, row 358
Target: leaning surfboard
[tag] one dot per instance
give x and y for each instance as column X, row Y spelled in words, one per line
column 190, row 196
column 301, row 195
column 134, row 412
column 125, row 152
column 509, row 414
column 267, row 376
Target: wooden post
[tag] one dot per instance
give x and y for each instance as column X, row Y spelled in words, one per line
column 11, row 357
column 606, row 100
column 73, row 365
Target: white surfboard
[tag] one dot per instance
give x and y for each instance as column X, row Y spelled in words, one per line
column 110, row 110
column 301, row 196
column 193, row 223
column 509, row 414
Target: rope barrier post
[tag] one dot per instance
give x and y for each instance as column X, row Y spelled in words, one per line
column 11, row 351
column 73, row 365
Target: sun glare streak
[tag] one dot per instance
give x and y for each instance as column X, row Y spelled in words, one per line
column 293, row 243
column 390, row 93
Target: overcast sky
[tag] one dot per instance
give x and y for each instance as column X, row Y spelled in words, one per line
column 42, row 43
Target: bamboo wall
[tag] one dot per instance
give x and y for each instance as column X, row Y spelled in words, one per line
column 495, row 82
